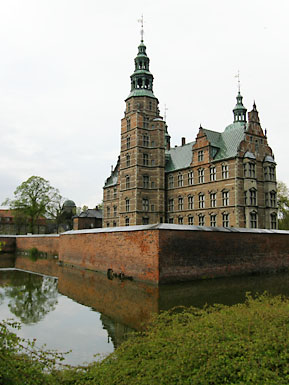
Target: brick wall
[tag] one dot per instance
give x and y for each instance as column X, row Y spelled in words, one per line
column 134, row 253
column 167, row 253
column 8, row 244
column 197, row 254
column 45, row 243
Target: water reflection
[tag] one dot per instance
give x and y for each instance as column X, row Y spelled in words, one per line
column 123, row 306
column 31, row 296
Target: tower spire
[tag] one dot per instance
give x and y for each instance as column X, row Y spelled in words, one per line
column 142, row 28
column 239, row 111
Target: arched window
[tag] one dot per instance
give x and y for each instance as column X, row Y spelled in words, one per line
column 273, row 221
column 127, row 205
column 253, row 219
column 127, row 160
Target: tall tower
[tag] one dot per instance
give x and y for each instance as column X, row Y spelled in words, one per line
column 142, row 155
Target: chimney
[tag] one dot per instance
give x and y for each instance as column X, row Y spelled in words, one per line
column 183, row 141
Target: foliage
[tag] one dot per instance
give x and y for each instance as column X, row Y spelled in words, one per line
column 283, row 205
column 2, row 244
column 242, row 344
column 21, row 363
column 33, row 253
column 34, row 198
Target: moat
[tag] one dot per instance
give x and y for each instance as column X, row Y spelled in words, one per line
column 69, row 308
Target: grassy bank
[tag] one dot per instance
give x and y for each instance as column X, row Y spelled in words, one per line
column 241, row 344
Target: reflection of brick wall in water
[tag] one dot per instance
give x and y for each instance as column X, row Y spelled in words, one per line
column 129, row 303
column 46, row 266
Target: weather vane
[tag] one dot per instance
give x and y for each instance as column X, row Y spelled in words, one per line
column 238, row 76
column 142, row 30
column 165, row 113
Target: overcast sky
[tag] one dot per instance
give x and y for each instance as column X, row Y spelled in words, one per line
column 65, row 71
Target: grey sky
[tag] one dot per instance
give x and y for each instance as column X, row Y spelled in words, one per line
column 64, row 75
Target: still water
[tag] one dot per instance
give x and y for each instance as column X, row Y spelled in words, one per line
column 67, row 308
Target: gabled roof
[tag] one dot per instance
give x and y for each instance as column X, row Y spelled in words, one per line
column 179, row 157
column 91, row 213
column 226, row 144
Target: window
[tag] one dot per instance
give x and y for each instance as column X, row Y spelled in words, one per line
column 273, row 220
column 200, row 156
column 245, row 198
column 145, row 221
column 145, row 140
column 146, row 122
column 201, row 175
column 180, row 220
column 225, row 198
column 114, row 223
column 171, row 181
column 272, row 173
column 153, row 185
column 108, row 194
column 127, row 221
column 150, row 105
column 145, row 180
column 127, row 205
column 245, row 169
column 114, row 211
column 108, row 211
column 171, row 205
column 190, row 202
column 190, row 178
column 253, row 197
column 128, row 123
column 127, row 160
column 213, row 220
column 180, row 203
column 114, row 192
column 128, row 142
column 152, row 207
column 225, row 171
column 191, row 220
column 213, row 199
column 107, row 225
column 171, row 220
column 251, row 170
column 180, row 180
column 145, row 204
column 201, row 201
column 225, row 220
column 273, row 199
column 253, row 220
column 201, row 220
column 145, row 158
column 212, row 173
column 128, row 107
column 127, row 181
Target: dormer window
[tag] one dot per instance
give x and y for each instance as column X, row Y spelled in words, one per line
column 200, row 156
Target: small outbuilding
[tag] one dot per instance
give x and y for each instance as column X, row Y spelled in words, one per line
column 88, row 219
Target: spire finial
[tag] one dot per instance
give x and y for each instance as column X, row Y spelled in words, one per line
column 142, row 29
column 165, row 113
column 238, row 76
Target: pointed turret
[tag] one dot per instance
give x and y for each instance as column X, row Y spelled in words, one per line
column 239, row 110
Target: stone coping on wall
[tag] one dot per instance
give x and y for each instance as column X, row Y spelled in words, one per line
column 168, row 226
column 37, row 236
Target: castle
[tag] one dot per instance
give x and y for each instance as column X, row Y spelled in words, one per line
column 225, row 179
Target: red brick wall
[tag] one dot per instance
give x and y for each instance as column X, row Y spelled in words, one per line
column 46, row 243
column 8, row 244
column 187, row 255
column 134, row 253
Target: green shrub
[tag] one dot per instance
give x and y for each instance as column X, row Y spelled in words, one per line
column 242, row 344
column 33, row 254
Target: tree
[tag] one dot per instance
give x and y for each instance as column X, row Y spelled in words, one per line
column 34, row 198
column 283, row 205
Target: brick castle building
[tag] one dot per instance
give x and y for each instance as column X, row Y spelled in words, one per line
column 221, row 179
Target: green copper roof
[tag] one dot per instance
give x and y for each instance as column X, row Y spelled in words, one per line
column 226, row 145
column 141, row 92
column 179, row 157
